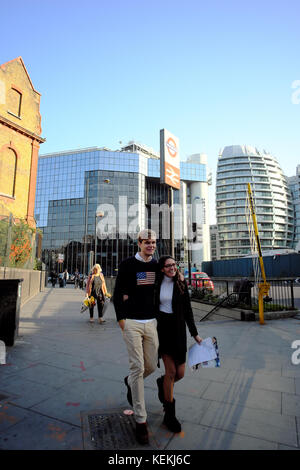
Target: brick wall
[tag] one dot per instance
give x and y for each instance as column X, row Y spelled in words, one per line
column 20, row 129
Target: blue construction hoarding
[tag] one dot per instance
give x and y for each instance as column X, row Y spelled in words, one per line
column 276, row 266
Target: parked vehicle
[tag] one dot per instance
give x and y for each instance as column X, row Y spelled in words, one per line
column 71, row 279
column 201, row 280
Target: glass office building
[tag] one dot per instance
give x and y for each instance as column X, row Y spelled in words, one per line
column 294, row 184
column 237, row 166
column 71, row 188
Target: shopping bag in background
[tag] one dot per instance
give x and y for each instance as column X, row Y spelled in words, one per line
column 87, row 303
column 106, row 304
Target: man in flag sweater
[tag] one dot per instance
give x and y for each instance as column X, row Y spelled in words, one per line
column 134, row 305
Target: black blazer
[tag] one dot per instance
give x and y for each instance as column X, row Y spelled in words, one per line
column 182, row 309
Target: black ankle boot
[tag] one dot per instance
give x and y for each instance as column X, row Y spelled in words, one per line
column 160, row 386
column 170, row 419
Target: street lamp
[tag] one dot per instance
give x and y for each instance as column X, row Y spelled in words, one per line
column 98, row 214
column 189, row 246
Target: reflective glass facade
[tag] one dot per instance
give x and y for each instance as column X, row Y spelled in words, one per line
column 294, row 184
column 237, row 166
column 72, row 185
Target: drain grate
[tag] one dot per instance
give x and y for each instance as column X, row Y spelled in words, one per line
column 109, row 430
column 113, row 431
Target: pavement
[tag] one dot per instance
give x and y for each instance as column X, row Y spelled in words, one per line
column 61, row 368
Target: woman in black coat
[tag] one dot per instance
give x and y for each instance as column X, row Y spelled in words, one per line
column 174, row 312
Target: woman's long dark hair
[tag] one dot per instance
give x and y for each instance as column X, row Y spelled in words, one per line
column 161, row 263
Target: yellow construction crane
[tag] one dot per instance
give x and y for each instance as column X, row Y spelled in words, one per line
column 264, row 286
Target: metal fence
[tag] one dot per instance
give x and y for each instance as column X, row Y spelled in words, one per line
column 234, row 294
column 281, row 292
column 17, row 243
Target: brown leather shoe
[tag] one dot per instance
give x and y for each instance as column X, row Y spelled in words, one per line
column 141, row 433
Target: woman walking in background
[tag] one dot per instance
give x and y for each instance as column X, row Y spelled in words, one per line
column 174, row 312
column 96, row 287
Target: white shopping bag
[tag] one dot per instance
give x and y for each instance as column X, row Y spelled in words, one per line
column 204, row 355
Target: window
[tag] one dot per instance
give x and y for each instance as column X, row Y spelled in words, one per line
column 8, row 166
column 14, row 102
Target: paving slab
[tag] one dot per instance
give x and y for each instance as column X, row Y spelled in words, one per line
column 45, row 374
column 37, row 432
column 199, row 437
column 10, row 415
column 26, row 393
column 84, row 394
column 291, row 371
column 298, row 429
column 290, row 404
column 244, row 395
column 261, row 424
column 271, row 381
column 283, row 447
column 297, row 385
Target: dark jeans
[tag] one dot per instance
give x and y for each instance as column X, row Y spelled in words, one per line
column 99, row 306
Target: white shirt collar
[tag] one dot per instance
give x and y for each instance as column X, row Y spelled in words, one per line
column 139, row 258
column 167, row 279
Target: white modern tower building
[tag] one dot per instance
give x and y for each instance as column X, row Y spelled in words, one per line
column 237, row 166
column 199, row 214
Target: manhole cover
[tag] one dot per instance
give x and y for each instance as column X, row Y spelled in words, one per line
column 103, row 430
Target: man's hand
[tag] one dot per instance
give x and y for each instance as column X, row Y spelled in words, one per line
column 122, row 324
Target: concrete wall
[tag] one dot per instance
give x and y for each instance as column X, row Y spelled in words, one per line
column 33, row 283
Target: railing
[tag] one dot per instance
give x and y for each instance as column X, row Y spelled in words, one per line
column 281, row 294
column 229, row 301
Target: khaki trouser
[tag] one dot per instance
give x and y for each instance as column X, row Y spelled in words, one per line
column 142, row 345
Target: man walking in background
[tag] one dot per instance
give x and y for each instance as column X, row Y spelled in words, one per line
column 65, row 277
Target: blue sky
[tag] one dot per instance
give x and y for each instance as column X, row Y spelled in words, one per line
column 213, row 73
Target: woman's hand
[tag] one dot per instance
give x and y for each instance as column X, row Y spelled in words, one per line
column 122, row 324
column 198, row 339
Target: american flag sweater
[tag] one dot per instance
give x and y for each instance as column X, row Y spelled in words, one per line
column 137, row 280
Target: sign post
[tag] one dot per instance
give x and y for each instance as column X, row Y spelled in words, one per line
column 170, row 172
